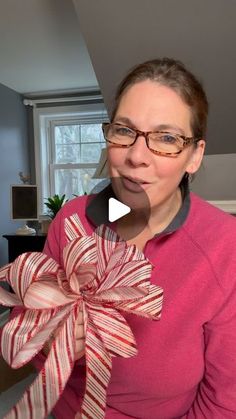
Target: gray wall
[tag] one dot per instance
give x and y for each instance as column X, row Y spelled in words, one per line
column 14, row 157
column 216, row 178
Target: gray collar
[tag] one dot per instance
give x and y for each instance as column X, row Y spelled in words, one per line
column 182, row 214
column 97, row 209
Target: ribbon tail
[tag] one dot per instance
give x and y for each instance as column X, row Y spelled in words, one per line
column 42, row 395
column 98, row 373
column 114, row 330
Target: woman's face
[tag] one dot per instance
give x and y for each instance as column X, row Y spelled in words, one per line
column 148, row 106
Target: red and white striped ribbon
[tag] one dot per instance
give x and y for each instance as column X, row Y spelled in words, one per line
column 106, row 276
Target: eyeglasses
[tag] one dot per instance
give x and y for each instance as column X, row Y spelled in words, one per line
column 159, row 142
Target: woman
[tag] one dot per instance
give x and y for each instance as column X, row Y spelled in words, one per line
column 186, row 362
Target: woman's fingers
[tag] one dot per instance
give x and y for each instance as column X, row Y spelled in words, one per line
column 80, row 318
column 79, row 336
column 79, row 349
column 47, row 346
column 79, row 331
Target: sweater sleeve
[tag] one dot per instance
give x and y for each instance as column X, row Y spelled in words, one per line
column 216, row 396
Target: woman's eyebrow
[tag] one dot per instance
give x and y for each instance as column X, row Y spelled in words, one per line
column 168, row 127
column 160, row 127
column 124, row 120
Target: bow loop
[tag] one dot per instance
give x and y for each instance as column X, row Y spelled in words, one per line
column 106, row 242
column 28, row 268
column 120, row 294
column 86, row 278
column 8, row 299
column 50, row 295
column 30, row 334
column 78, row 252
column 116, row 256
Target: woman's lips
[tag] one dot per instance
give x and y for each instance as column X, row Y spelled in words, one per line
column 134, row 185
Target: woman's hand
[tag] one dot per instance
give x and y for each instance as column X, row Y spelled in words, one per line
column 79, row 337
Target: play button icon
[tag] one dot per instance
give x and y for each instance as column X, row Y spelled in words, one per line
column 116, row 209
column 123, row 208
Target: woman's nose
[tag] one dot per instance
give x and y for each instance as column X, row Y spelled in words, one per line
column 138, row 153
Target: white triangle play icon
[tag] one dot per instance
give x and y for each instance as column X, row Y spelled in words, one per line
column 116, row 209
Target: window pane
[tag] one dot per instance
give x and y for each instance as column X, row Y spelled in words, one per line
column 74, row 181
column 67, row 144
column 91, row 132
column 90, row 153
column 68, row 139
column 68, row 154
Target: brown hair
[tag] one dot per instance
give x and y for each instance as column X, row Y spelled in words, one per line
column 171, row 73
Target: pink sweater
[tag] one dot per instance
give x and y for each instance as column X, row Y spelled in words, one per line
column 186, row 362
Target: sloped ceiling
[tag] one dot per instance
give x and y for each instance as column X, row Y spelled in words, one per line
column 201, row 33
column 42, row 48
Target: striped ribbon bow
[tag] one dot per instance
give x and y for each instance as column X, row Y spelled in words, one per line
column 106, row 276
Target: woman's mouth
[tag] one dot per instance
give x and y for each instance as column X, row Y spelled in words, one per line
column 134, row 184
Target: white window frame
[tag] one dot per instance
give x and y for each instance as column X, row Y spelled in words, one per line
column 44, row 120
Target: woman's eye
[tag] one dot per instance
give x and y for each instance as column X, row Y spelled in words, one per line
column 168, row 139
column 124, row 131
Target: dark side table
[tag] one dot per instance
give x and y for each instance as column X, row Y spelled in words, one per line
column 18, row 244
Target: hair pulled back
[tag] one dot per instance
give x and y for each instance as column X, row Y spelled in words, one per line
column 173, row 74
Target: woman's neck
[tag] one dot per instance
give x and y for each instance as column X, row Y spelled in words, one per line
column 162, row 215
column 148, row 223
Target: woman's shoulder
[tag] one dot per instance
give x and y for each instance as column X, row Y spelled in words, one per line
column 212, row 233
column 210, row 216
column 56, row 239
column 209, row 225
column 75, row 205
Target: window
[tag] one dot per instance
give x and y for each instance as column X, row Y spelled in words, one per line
column 68, row 145
column 76, row 148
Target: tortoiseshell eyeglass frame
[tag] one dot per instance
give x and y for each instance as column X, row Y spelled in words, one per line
column 186, row 140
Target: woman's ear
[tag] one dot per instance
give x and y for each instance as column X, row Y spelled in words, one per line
column 196, row 157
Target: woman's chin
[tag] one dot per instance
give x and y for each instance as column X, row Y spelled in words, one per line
column 131, row 194
column 137, row 202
